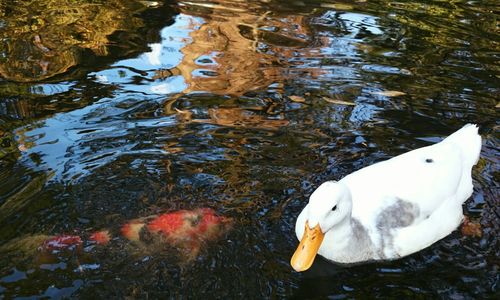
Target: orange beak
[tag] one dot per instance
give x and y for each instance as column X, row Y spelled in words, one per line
column 304, row 256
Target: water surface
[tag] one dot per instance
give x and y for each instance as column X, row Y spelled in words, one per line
column 117, row 110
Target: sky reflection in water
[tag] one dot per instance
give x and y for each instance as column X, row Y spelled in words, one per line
column 189, row 48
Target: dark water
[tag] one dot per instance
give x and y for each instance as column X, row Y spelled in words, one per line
column 121, row 109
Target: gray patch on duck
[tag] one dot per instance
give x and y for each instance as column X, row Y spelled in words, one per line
column 400, row 214
column 360, row 246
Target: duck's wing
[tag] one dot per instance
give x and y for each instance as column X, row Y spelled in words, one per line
column 426, row 231
column 414, row 199
column 424, row 177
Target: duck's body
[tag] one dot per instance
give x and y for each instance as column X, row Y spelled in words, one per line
column 396, row 207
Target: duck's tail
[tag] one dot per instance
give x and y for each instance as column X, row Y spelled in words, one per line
column 469, row 140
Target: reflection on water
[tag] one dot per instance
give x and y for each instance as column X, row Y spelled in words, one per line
column 43, row 39
column 243, row 107
column 219, row 54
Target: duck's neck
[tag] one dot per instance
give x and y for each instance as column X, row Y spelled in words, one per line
column 348, row 238
column 350, row 242
column 341, row 232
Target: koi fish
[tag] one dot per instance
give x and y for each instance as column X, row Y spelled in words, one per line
column 61, row 242
column 187, row 229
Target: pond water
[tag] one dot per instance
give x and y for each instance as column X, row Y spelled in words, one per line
column 118, row 110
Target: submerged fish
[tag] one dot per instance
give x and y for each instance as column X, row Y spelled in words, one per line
column 187, row 230
column 101, row 237
column 61, row 242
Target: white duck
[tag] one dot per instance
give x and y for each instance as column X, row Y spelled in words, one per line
column 392, row 208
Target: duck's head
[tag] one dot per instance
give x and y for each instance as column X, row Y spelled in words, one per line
column 329, row 205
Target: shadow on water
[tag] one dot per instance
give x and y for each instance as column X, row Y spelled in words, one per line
column 112, row 111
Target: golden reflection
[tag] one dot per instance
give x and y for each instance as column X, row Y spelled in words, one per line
column 237, row 48
column 234, row 117
column 41, row 39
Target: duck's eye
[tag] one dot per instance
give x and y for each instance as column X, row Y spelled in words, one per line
column 334, row 208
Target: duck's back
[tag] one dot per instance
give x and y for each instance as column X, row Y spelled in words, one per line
column 410, row 187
